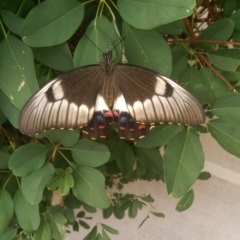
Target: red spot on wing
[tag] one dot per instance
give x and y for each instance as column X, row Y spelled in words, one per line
column 115, row 113
column 101, row 127
column 108, row 114
column 122, row 128
column 142, row 126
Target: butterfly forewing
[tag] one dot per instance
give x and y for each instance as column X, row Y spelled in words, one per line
column 67, row 102
column 153, row 99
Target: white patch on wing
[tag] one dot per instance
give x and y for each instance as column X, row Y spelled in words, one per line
column 100, row 104
column 160, row 115
column 57, row 90
column 72, row 115
column 173, row 84
column 54, row 116
column 139, row 112
column 46, row 115
column 148, row 106
column 130, row 109
column 62, row 115
column 120, row 104
column 45, row 88
column 90, row 114
column 82, row 118
column 176, row 111
column 160, row 86
column 182, row 108
column 169, row 117
column 39, row 113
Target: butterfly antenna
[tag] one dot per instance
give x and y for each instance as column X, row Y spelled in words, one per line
column 93, row 44
column 119, row 43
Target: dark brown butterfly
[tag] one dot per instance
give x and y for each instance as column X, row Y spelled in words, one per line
column 95, row 96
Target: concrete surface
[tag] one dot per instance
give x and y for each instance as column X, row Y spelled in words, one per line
column 214, row 215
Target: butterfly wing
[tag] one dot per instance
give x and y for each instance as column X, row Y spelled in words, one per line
column 150, row 99
column 67, row 102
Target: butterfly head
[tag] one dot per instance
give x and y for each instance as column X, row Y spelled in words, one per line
column 107, row 57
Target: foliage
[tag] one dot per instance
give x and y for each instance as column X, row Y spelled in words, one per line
column 198, row 46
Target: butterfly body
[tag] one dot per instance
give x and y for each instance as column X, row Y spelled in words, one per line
column 95, row 96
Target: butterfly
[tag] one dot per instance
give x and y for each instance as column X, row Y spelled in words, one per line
column 93, row 97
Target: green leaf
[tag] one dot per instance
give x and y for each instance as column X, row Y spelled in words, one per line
column 55, row 233
column 125, row 158
column 44, row 231
column 92, row 234
column 198, row 90
column 65, row 184
column 109, row 229
column 183, row 161
column 159, row 136
column 56, row 57
column 81, row 214
column 227, row 133
column 72, row 202
column 84, row 224
column 9, row 234
column 125, row 206
column 158, row 214
column 133, row 208
column 179, row 63
column 9, row 110
column 6, row 209
column 17, row 76
column 89, row 208
column 69, row 214
column 5, row 157
column 57, row 223
column 236, row 17
column 225, row 59
column 61, row 19
column 111, row 31
column 227, row 106
column 219, row 30
column 3, row 118
column 189, row 74
column 34, row 184
column 107, row 212
column 186, row 201
column 204, row 175
column 151, row 159
column 173, row 28
column 147, row 198
column 214, row 85
column 104, row 236
column 14, row 5
column 89, row 153
column 12, row 21
column 143, row 48
column 54, row 183
column 117, row 213
column 88, row 49
column 27, row 158
column 65, row 137
column 27, row 215
column 90, row 187
column 231, row 76
column 151, row 14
